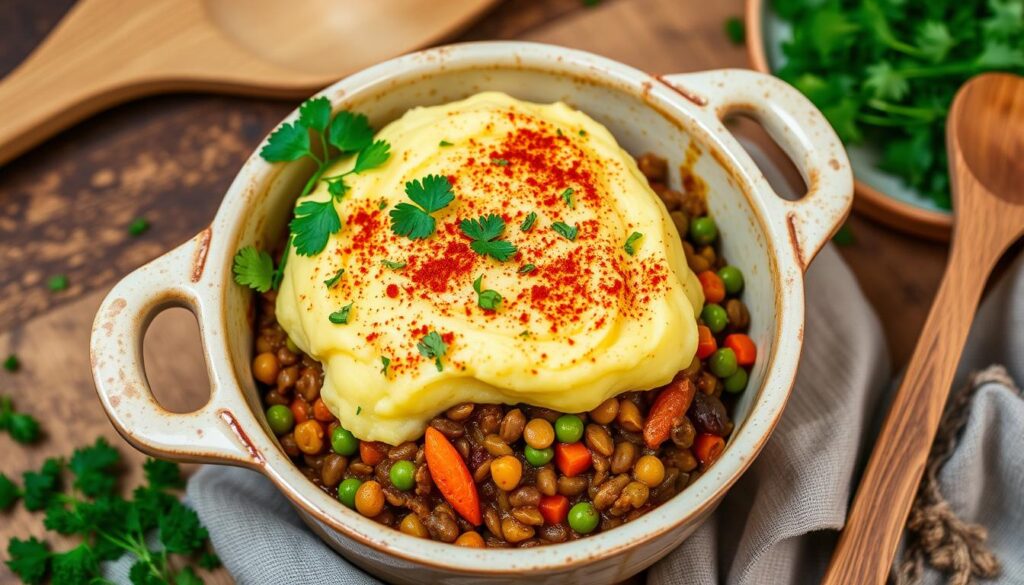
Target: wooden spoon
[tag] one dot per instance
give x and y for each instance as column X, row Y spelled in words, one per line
column 985, row 141
column 109, row 51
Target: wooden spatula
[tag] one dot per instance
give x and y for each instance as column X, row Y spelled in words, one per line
column 108, row 51
column 985, row 140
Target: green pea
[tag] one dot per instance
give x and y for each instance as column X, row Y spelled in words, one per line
column 737, row 382
column 343, row 441
column 703, row 230
column 280, row 419
column 732, row 278
column 583, row 518
column 538, row 457
column 715, row 317
column 569, row 428
column 723, row 362
column 403, row 475
column 347, row 491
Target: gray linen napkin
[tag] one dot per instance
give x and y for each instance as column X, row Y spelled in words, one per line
column 779, row 522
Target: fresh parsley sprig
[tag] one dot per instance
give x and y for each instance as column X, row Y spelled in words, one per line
column 488, row 300
column 430, row 194
column 484, row 232
column 433, row 346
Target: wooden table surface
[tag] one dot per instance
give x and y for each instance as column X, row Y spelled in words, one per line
column 65, row 208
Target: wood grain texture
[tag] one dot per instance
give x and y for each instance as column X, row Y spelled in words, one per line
column 985, row 134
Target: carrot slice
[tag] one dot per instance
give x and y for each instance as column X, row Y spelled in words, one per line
column 743, row 347
column 668, row 408
column 451, row 476
column 572, row 458
column 706, row 344
column 370, row 452
column 320, row 411
column 554, row 508
column 707, row 448
column 300, row 410
column 714, row 288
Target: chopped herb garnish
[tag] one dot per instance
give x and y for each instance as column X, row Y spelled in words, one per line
column 445, row 143
column 524, row 333
column 313, row 225
column 57, row 282
column 629, row 246
column 487, row 299
column 567, row 197
column 138, row 227
column 565, row 230
column 583, row 132
column 501, row 162
column 23, row 428
column 527, row 268
column 359, row 410
column 484, row 232
column 735, row 30
column 432, row 346
column 330, row 282
column 393, row 265
column 383, row 204
column 254, row 268
column 430, row 194
column 12, row 363
column 527, row 224
column 558, row 131
column 385, row 364
column 340, row 317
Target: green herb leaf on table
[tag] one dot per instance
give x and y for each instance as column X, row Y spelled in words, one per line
column 23, row 428
column 161, row 474
column 630, row 245
column 209, row 561
column 527, row 224
column 138, row 226
column 41, row 486
column 9, row 492
column 93, row 468
column 12, row 364
column 313, row 225
column 340, row 317
column 565, row 230
column 433, row 346
column 29, row 559
column 484, row 232
column 486, row 299
column 254, row 268
column 431, row 194
column 57, row 282
column 735, row 30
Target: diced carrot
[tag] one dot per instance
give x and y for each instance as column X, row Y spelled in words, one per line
column 300, row 410
column 706, row 344
column 451, row 476
column 743, row 347
column 554, row 508
column 714, row 288
column 668, row 408
column 707, row 448
column 320, row 411
column 370, row 452
column 572, row 458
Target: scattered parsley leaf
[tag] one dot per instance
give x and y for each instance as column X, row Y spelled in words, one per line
column 57, row 282
column 187, row 576
column 161, row 474
column 180, row 529
column 630, row 241
column 527, row 268
column 29, row 559
column 567, row 197
column 934, row 41
column 393, row 265
column 371, row 157
column 313, row 225
column 77, row 566
column 884, row 82
column 383, row 204
column 430, row 194
column 432, row 346
column 735, row 30
column 138, row 226
column 385, row 364
column 330, row 282
column 9, row 492
column 11, row 364
column 42, row 485
column 445, row 143
column 486, row 299
column 565, row 230
column 92, row 467
column 501, row 162
column 583, row 132
column 527, row 224
column 315, row 113
column 350, row 132
column 359, row 410
column 484, row 232
column 23, row 428
column 209, row 561
column 289, row 142
column 340, row 317
column 254, row 268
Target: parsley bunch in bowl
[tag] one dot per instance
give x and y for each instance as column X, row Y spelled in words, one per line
column 884, row 72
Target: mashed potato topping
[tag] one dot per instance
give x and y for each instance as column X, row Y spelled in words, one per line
column 580, row 318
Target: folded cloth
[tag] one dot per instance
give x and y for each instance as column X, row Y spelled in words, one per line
column 778, row 524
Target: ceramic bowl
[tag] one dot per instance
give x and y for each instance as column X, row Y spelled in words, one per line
column 772, row 240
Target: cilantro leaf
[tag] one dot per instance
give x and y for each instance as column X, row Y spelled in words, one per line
column 24, row 428
column 350, row 132
column 829, row 31
column 315, row 113
column 29, row 560
column 433, row 346
column 162, row 474
column 77, row 566
column 629, row 246
column 527, row 224
column 42, row 485
column 484, row 232
column 565, row 230
column 567, row 197
column 371, row 157
column 934, row 41
column 313, row 225
column 254, row 268
column 735, row 30
column 180, row 529
column 340, row 317
column 431, row 194
column 63, row 520
column 486, row 299
column 138, row 226
column 886, row 83
column 289, row 142
column 9, row 492
column 999, row 55
column 330, row 282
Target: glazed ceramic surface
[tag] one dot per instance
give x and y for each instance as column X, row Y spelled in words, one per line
column 769, row 238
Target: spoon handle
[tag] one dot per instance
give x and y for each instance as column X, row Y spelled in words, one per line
column 879, row 511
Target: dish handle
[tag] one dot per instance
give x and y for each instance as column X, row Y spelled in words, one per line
column 803, row 133
column 205, row 435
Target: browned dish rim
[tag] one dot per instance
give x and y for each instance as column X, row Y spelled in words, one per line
column 869, row 201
